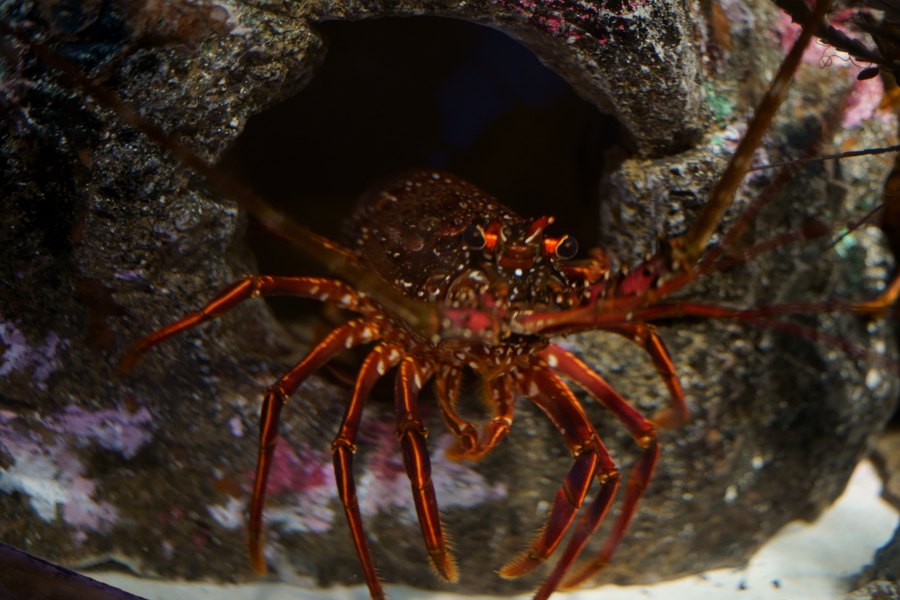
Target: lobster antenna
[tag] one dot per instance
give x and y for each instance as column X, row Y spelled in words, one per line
column 800, row 161
column 688, row 248
column 691, row 245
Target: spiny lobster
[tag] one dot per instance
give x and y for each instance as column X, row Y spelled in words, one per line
column 470, row 283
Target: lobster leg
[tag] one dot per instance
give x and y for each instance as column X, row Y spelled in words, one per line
column 446, row 388
column 500, row 397
column 345, row 336
column 378, row 361
column 647, row 338
column 637, row 483
column 640, row 428
column 584, row 529
column 411, row 433
column 548, row 391
column 253, row 286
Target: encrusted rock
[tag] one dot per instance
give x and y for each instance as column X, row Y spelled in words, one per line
column 104, row 238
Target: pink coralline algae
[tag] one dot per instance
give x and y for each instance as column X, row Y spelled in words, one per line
column 866, row 96
column 577, row 20
column 51, row 474
column 301, row 485
column 19, row 355
column 864, row 100
column 298, row 473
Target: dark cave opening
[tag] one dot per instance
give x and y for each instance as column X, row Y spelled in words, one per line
column 402, row 93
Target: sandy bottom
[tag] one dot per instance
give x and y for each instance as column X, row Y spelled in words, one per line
column 803, row 561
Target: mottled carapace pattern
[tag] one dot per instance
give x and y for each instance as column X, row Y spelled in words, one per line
column 411, row 230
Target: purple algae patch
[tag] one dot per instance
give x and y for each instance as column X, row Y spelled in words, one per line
column 19, row 355
column 114, row 429
column 52, row 475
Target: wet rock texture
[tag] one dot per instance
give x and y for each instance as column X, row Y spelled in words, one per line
column 881, row 579
column 105, row 239
column 886, row 456
column 877, row 590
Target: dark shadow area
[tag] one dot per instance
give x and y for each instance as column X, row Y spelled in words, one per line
column 398, row 94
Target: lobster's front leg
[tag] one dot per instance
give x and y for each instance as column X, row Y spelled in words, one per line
column 501, row 399
column 411, row 433
column 646, row 336
column 381, row 359
column 470, row 445
column 346, row 336
column 554, row 397
column 253, row 286
column 640, row 428
column 446, row 388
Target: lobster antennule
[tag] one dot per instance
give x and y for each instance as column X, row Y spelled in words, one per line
column 537, row 228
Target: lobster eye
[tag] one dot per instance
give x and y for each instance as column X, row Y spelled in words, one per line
column 473, row 236
column 567, row 248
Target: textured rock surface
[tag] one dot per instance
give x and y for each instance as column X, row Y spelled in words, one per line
column 886, row 456
column 105, row 239
column 881, row 579
column 877, row 590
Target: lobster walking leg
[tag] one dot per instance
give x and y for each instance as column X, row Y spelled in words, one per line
column 345, row 336
column 584, row 529
column 253, row 286
column 647, row 338
column 641, row 473
column 378, row 361
column 548, row 391
column 411, row 433
column 640, row 428
column 446, row 388
column 500, row 397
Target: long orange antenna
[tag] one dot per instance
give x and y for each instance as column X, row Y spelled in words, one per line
column 691, row 245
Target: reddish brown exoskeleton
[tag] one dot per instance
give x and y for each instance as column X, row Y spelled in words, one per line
column 471, row 284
